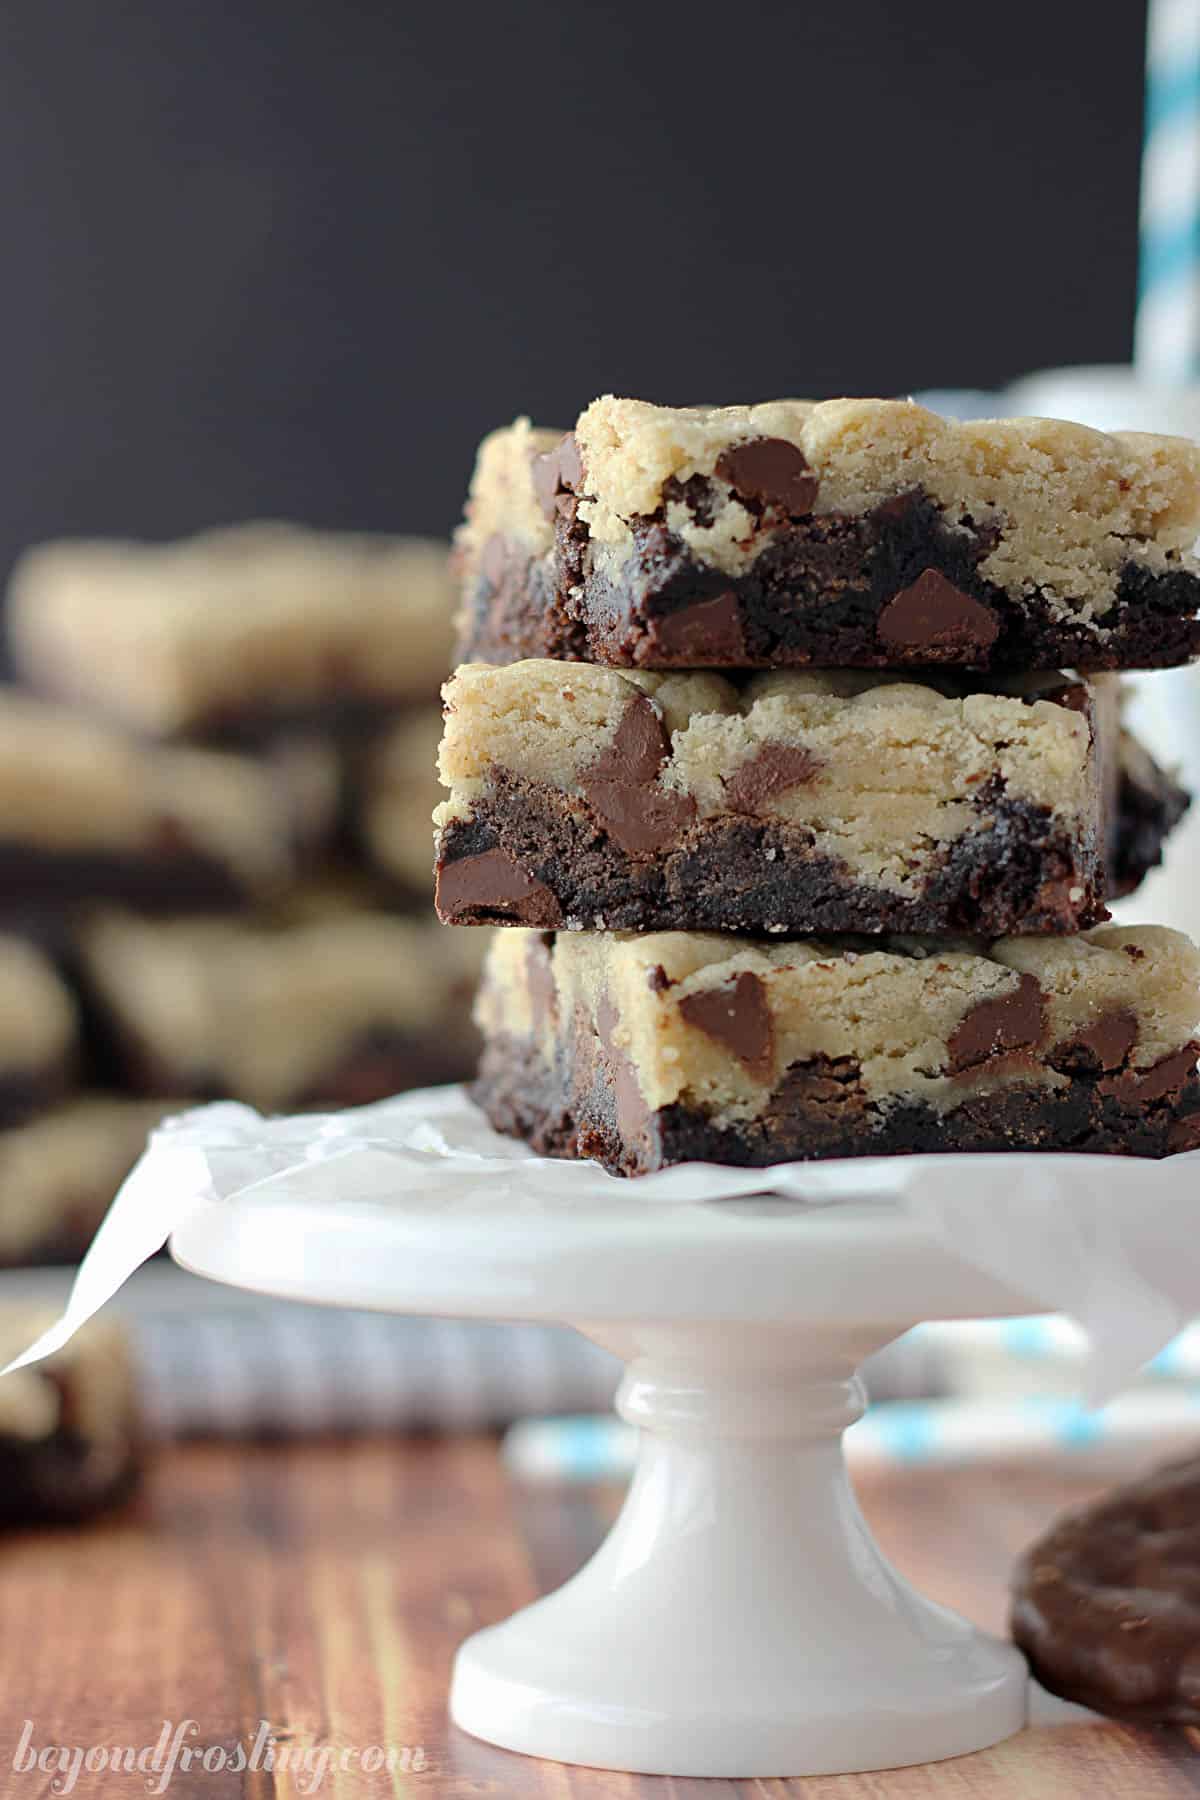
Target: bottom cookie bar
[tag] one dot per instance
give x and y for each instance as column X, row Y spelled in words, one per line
column 69, row 1426
column 643, row 1051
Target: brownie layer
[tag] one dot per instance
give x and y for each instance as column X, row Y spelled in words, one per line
column 896, row 587
column 24, row 1092
column 594, row 1109
column 60, row 1480
column 41, row 887
column 534, row 856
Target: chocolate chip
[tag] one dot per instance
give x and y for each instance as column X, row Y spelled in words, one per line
column 706, row 635
column 771, row 472
column 738, row 1017
column 1013, row 1021
column 773, row 770
column 639, row 749
column 1136, row 1087
column 622, row 786
column 493, row 882
column 657, row 979
column 557, row 471
column 1109, row 1040
column 938, row 619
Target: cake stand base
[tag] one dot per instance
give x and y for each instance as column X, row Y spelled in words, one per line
column 739, row 1620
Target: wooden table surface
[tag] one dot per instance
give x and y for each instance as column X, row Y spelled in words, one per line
column 323, row 1587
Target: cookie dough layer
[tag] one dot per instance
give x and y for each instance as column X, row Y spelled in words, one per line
column 643, row 1051
column 87, row 813
column 59, row 1173
column 1106, row 1605
column 592, row 799
column 236, row 631
column 39, row 1033
column 846, row 533
column 326, row 1008
column 70, row 1429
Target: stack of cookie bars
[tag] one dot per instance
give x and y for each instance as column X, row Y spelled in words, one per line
column 789, row 735
column 215, row 786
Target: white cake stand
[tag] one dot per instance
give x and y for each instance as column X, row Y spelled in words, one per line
column 738, row 1621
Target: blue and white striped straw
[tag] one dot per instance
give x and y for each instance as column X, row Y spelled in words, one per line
column 1150, row 1424
column 1167, row 334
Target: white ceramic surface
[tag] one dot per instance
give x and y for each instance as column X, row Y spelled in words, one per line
column 738, row 1621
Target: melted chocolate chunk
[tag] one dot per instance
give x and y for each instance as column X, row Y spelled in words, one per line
column 559, row 471
column 658, row 979
column 710, row 632
column 771, row 771
column 770, row 472
column 1141, row 1086
column 1014, row 1021
column 1108, row 1042
column 622, row 786
column 938, row 619
column 738, row 1017
column 493, row 882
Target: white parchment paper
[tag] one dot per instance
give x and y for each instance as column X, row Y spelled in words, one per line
column 1114, row 1241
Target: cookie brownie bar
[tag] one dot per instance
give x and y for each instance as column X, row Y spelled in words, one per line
column 596, row 799
column 846, row 533
column 59, row 1173
column 234, row 633
column 39, row 1032
column 677, row 1047
column 70, row 1427
column 326, row 1008
column 87, row 812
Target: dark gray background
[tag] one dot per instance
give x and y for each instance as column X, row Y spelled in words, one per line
column 294, row 256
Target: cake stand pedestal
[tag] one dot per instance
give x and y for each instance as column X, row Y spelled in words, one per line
column 738, row 1621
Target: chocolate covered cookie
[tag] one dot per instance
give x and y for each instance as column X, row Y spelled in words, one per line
column 1106, row 1605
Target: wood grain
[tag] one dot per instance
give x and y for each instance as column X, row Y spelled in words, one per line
column 324, row 1587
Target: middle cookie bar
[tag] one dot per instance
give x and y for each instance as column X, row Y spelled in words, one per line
column 595, row 799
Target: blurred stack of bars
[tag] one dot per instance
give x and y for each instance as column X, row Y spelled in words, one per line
column 216, row 780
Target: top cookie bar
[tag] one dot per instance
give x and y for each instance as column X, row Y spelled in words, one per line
column 235, row 632
column 844, row 533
